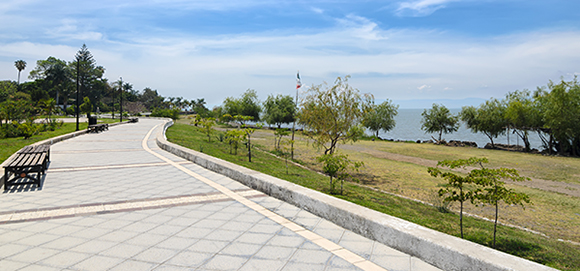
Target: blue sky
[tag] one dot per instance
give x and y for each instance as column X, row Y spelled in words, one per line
column 427, row 50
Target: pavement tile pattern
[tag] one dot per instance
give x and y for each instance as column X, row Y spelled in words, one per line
column 115, row 201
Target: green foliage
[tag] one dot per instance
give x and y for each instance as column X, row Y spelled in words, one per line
column 337, row 166
column 27, row 129
column 7, row 89
column 560, row 111
column 286, row 150
column 247, row 105
column 207, row 126
column 151, row 99
column 249, row 131
column 522, row 114
column 198, row 107
column 331, row 114
column 20, row 66
column 456, row 190
column 534, row 247
column 234, row 138
column 86, row 107
column 279, row 109
column 165, row 113
column 488, row 118
column 10, row 130
column 48, row 108
column 381, row 117
column 438, row 119
column 278, row 134
column 489, row 185
column 16, row 110
column 493, row 189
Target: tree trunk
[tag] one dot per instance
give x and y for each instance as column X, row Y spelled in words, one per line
column 495, row 223
column 249, row 150
column 490, row 139
column 461, row 219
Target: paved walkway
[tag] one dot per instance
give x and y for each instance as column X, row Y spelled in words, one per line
column 115, row 201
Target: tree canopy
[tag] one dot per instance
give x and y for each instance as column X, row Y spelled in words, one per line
column 488, row 118
column 331, row 114
column 439, row 119
column 247, row 105
column 381, row 117
column 279, row 109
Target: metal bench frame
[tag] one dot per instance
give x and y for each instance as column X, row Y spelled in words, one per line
column 30, row 159
column 95, row 128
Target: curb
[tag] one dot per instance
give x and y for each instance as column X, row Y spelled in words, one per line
column 441, row 250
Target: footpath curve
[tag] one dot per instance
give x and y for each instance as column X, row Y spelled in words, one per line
column 436, row 248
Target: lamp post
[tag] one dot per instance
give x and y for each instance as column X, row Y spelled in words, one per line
column 121, row 103
column 78, row 89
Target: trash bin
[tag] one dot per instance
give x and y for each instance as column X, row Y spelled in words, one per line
column 92, row 120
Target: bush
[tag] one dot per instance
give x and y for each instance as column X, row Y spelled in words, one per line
column 165, row 113
column 70, row 110
column 9, row 130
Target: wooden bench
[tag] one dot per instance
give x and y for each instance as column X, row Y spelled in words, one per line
column 29, row 160
column 133, row 120
column 95, row 128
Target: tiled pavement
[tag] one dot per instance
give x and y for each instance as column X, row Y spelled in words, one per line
column 115, row 201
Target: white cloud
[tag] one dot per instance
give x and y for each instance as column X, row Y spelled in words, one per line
column 317, row 10
column 421, row 7
column 390, row 63
column 69, row 29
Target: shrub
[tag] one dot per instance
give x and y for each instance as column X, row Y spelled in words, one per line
column 165, row 113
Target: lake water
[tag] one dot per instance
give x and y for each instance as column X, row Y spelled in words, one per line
column 408, row 127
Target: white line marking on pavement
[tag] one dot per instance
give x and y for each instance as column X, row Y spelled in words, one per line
column 110, row 167
column 313, row 237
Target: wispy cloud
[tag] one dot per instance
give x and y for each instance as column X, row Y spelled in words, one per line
column 317, row 10
column 69, row 29
column 421, row 7
column 424, row 87
column 150, row 50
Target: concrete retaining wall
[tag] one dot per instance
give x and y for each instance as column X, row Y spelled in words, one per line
column 439, row 249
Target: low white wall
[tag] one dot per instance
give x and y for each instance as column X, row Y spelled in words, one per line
column 441, row 250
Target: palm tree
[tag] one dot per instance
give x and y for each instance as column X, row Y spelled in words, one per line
column 20, row 65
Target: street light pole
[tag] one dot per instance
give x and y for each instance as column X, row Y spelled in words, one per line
column 78, row 89
column 121, row 104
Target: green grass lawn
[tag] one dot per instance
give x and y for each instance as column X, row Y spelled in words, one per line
column 534, row 247
column 8, row 146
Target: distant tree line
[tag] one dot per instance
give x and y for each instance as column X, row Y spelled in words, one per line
column 53, row 90
column 551, row 111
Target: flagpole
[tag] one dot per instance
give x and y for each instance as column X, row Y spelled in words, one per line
column 298, row 85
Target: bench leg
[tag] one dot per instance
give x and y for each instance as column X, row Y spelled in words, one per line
column 6, row 177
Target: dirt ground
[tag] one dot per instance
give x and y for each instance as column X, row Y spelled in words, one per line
column 546, row 185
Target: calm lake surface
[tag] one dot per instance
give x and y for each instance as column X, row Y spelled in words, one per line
column 408, row 127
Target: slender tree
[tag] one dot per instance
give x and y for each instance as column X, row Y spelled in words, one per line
column 494, row 190
column 381, row 117
column 488, row 118
column 279, row 109
column 20, row 66
column 439, row 119
column 456, row 188
column 331, row 114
